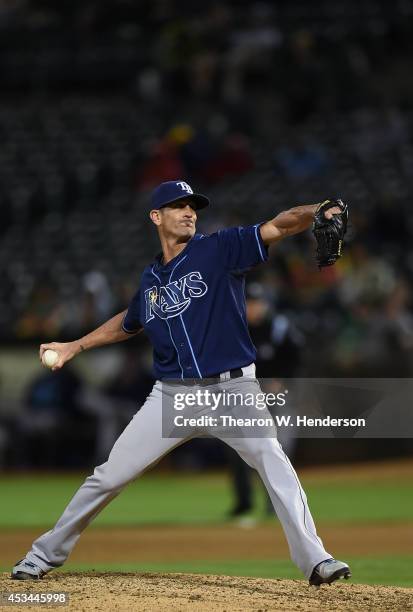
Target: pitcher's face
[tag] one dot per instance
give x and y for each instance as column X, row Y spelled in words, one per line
column 177, row 219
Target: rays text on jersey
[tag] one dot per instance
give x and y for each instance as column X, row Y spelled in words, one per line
column 173, row 299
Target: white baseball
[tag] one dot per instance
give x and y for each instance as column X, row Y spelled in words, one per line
column 49, row 358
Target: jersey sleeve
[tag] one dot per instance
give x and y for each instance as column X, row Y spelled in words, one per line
column 242, row 247
column 131, row 321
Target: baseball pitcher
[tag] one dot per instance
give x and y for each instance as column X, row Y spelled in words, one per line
column 191, row 304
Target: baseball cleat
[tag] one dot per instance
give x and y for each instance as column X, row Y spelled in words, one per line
column 328, row 571
column 26, row 570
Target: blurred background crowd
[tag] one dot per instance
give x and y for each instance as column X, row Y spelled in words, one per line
column 262, row 105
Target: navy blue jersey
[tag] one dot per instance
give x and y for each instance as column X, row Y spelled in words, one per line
column 193, row 308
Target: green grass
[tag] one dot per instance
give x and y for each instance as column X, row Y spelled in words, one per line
column 388, row 570
column 362, row 501
column 37, row 501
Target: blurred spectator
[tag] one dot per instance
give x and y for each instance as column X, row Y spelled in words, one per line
column 163, row 164
column 210, row 155
column 43, row 314
column 133, row 382
column 98, row 300
column 377, row 338
column 233, row 159
column 114, row 405
column 369, row 279
column 302, row 161
column 53, row 429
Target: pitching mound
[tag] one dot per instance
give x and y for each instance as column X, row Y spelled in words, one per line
column 155, row 592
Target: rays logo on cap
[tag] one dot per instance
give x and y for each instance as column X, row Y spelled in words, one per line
column 171, row 191
column 184, row 186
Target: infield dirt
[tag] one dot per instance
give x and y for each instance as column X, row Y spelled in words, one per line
column 191, row 543
column 164, row 592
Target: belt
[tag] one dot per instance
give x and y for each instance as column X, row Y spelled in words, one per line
column 215, row 379
column 237, row 373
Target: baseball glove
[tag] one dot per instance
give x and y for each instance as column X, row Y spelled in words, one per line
column 329, row 233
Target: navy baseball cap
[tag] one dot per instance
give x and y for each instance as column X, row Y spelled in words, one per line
column 172, row 191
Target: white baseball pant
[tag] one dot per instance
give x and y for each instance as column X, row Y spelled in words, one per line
column 141, row 445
